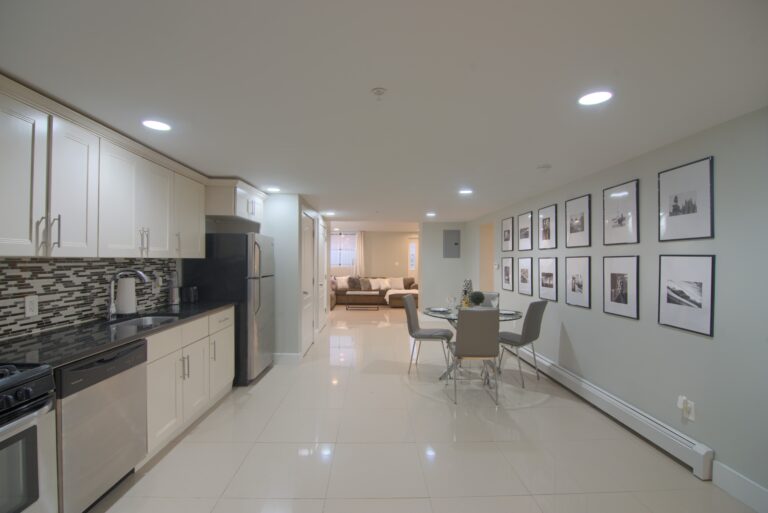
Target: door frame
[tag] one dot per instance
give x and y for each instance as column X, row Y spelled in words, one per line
column 312, row 252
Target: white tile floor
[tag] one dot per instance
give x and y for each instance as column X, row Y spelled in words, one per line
column 349, row 431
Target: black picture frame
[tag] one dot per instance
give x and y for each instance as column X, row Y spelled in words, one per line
column 520, row 225
column 709, row 324
column 520, row 289
column 552, row 227
column 587, row 280
column 632, row 299
column 507, row 234
column 635, row 212
column 554, row 278
column 587, row 223
column 709, row 217
column 508, row 263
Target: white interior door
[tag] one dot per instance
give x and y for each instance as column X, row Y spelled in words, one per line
column 307, row 282
column 322, row 276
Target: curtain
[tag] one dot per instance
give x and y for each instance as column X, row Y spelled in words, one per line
column 360, row 254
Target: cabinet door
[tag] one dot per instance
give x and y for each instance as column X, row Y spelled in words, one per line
column 164, row 399
column 257, row 210
column 197, row 381
column 222, row 354
column 119, row 231
column 242, row 203
column 73, row 190
column 154, row 206
column 189, row 217
column 23, row 153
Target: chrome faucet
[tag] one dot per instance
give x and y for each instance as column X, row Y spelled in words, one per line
column 125, row 273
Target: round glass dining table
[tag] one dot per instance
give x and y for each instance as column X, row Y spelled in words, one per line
column 452, row 314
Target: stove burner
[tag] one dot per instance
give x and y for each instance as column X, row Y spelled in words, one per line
column 8, row 370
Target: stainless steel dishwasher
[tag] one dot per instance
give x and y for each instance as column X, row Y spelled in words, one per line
column 101, row 423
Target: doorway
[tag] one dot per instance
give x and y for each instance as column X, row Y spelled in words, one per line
column 307, row 282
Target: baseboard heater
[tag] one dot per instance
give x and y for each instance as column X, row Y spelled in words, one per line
column 694, row 454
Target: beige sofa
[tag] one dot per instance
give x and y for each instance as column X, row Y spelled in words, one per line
column 357, row 294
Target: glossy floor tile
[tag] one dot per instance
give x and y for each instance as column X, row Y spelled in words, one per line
column 349, row 429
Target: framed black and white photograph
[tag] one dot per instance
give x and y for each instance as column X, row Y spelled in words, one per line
column 507, row 226
column 525, row 276
column 524, row 231
column 578, row 222
column 578, row 284
column 548, row 227
column 686, row 209
column 620, row 286
column 621, row 216
column 507, row 282
column 548, row 278
column 686, row 292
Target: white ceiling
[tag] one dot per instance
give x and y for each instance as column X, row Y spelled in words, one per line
column 480, row 92
column 375, row 226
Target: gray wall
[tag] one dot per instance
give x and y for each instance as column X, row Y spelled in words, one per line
column 646, row 364
column 440, row 277
column 281, row 221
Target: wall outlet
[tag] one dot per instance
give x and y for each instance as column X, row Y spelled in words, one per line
column 687, row 407
column 30, row 306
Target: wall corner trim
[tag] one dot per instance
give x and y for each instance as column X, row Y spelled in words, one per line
column 693, row 453
column 740, row 486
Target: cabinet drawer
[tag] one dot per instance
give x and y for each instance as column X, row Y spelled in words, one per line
column 221, row 320
column 163, row 343
column 194, row 331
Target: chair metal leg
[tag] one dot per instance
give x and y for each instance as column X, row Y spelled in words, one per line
column 496, row 373
column 413, row 348
column 520, row 366
column 418, row 352
column 455, row 388
column 535, row 363
column 501, row 358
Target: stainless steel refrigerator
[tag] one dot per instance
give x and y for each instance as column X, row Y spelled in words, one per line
column 240, row 267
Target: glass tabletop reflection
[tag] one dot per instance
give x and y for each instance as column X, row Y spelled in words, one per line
column 452, row 314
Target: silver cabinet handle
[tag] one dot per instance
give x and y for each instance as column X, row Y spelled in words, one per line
column 147, row 241
column 214, row 349
column 183, row 368
column 178, row 242
column 189, row 370
column 57, row 219
column 223, row 319
column 141, row 243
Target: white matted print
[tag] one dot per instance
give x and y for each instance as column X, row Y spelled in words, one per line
column 507, row 225
column 524, row 231
column 578, row 222
column 686, row 292
column 685, row 201
column 548, row 278
column 578, row 283
column 620, row 286
column 621, row 217
column 525, row 276
column 507, row 269
column 548, row 227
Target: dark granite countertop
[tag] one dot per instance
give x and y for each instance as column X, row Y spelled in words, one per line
column 67, row 345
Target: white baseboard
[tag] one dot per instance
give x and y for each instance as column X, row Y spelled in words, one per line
column 287, row 358
column 694, row 454
column 743, row 488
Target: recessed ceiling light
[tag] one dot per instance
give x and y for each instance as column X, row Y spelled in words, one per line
column 330, row 214
column 273, row 189
column 336, row 229
column 619, row 194
column 466, row 192
column 156, row 125
column 431, row 214
column 596, row 97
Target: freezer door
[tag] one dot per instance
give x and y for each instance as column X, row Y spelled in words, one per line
column 261, row 325
column 261, row 255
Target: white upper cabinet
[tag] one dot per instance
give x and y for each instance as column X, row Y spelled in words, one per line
column 73, row 191
column 154, row 208
column 233, row 198
column 189, row 210
column 119, row 232
column 23, row 170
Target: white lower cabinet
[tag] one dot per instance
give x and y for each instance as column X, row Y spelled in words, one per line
column 185, row 378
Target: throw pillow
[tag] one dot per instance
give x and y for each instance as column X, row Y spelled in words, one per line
column 365, row 284
column 384, row 284
column 342, row 282
column 375, row 284
column 353, row 283
column 396, row 283
column 415, row 286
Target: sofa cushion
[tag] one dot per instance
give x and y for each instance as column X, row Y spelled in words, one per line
column 365, row 284
column 408, row 281
column 342, row 282
column 396, row 283
column 354, row 283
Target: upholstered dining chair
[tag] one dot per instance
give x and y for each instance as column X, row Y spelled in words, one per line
column 490, row 297
column 477, row 338
column 418, row 333
column 530, row 333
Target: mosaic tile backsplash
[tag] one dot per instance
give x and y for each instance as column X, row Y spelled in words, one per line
column 70, row 290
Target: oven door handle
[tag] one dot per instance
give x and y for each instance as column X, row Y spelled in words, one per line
column 25, row 421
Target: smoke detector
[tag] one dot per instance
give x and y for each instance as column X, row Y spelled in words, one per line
column 378, row 92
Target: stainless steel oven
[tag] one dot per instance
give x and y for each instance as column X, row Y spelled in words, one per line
column 27, row 443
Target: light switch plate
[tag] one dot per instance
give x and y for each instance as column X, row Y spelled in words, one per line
column 30, row 306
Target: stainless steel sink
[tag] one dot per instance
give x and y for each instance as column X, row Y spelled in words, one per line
column 132, row 326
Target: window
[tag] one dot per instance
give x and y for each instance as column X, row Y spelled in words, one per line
column 343, row 249
column 412, row 254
